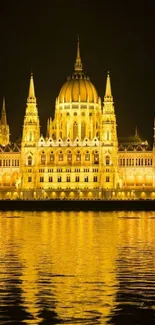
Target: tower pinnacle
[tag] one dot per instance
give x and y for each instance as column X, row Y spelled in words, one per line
column 31, row 96
column 3, row 116
column 108, row 94
column 78, row 63
column 136, row 131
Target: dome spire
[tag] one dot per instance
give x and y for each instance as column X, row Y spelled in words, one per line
column 78, row 63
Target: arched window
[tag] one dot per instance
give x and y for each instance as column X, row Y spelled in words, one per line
column 69, row 156
column 29, row 161
column 60, row 156
column 75, row 130
column 30, row 136
column 83, row 131
column 108, row 135
column 98, row 135
column 87, row 156
column 68, row 179
column 51, row 156
column 78, row 156
column 43, row 158
column 107, row 160
column 96, row 157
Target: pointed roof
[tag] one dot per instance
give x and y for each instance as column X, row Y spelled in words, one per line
column 3, row 115
column 78, row 62
column 108, row 93
column 31, row 96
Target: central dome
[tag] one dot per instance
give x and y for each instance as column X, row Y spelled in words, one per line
column 78, row 87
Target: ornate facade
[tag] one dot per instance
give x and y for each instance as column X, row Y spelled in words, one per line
column 80, row 157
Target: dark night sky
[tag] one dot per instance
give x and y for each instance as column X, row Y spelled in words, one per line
column 42, row 35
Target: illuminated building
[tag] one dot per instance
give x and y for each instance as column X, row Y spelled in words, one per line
column 80, row 157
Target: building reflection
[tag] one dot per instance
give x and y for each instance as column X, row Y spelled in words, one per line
column 135, row 269
column 73, row 266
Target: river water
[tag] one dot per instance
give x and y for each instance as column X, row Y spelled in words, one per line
column 77, row 268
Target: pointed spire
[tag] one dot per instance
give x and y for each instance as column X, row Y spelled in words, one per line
column 108, row 94
column 136, row 131
column 31, row 96
column 78, row 63
column 3, row 115
column 3, row 107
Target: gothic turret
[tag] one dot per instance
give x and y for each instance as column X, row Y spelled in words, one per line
column 3, row 115
column 30, row 139
column 109, row 139
column 109, row 118
column 4, row 127
column 108, row 98
column 31, row 128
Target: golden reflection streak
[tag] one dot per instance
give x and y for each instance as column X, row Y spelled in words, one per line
column 76, row 253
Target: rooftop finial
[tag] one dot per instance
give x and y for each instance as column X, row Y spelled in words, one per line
column 78, row 63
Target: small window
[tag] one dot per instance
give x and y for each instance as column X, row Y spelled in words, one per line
column 29, row 179
column 95, row 179
column 41, row 179
column 68, row 179
column 78, row 156
column 108, row 135
column 60, row 156
column 59, row 179
column 77, row 179
column 51, row 156
column 86, row 179
column 96, row 158
column 69, row 156
column 50, row 179
column 29, row 161
column 87, row 156
column 107, row 160
column 107, row 179
column 43, row 158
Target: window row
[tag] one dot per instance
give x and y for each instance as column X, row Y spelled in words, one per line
column 61, row 157
column 9, row 162
column 68, row 179
column 68, row 170
column 135, row 162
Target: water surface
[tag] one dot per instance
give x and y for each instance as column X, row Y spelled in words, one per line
column 77, row 268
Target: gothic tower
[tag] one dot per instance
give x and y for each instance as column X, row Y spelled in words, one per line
column 30, row 138
column 31, row 128
column 109, row 142
column 4, row 127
